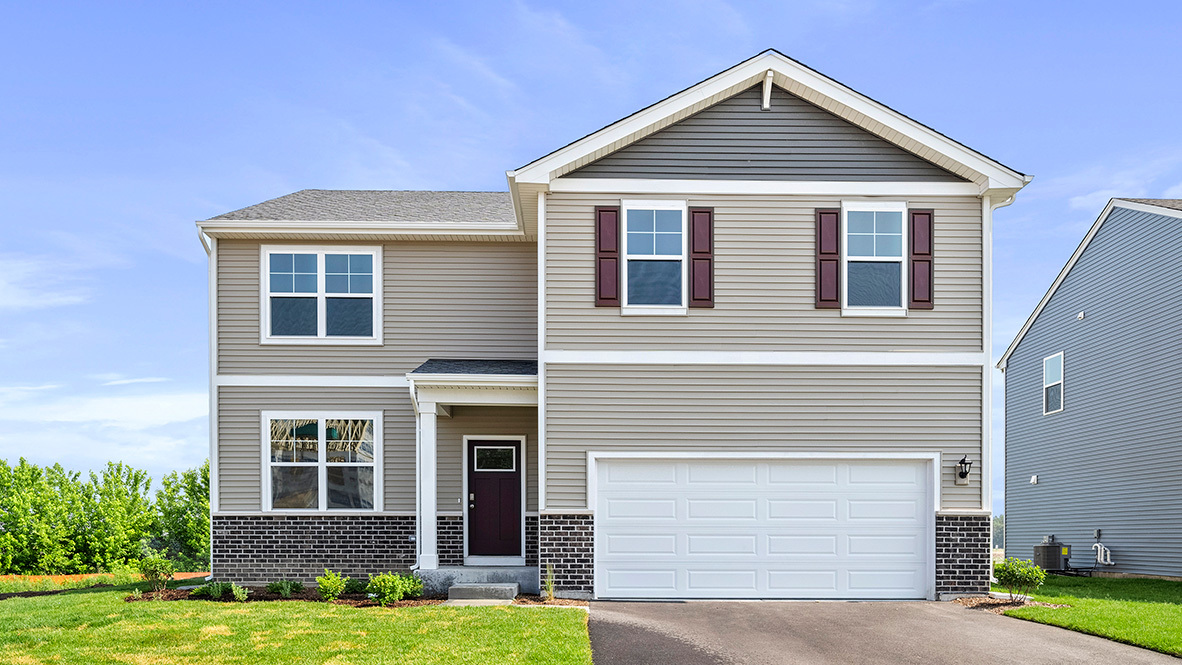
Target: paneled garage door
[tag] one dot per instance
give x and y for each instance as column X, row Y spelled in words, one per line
column 786, row 528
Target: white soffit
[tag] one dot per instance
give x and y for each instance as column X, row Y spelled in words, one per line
column 798, row 80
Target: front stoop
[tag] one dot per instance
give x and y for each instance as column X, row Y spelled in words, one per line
column 441, row 580
column 483, row 592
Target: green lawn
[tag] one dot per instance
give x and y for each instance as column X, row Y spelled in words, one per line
column 1147, row 613
column 99, row 627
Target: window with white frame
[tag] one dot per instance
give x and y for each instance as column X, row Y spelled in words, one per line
column 322, row 462
column 1052, row 384
column 875, row 236
column 654, row 254
column 327, row 294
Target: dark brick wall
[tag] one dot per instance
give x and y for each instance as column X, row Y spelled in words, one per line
column 963, row 557
column 262, row 548
column 568, row 543
column 531, row 540
column 450, row 541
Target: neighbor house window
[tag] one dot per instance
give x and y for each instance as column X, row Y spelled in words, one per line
column 654, row 254
column 322, row 462
column 1052, row 384
column 872, row 261
column 321, row 294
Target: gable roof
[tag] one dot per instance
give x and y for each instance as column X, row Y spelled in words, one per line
column 382, row 206
column 797, row 79
column 1168, row 207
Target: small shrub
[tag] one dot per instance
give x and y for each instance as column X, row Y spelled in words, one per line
column 212, row 590
column 412, row 585
column 548, row 585
column 354, row 586
column 285, row 587
column 157, row 570
column 137, row 594
column 1019, row 577
column 386, row 588
column 239, row 593
column 331, row 586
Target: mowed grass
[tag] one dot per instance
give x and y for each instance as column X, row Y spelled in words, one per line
column 1146, row 613
column 99, row 627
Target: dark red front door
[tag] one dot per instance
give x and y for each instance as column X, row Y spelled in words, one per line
column 494, row 498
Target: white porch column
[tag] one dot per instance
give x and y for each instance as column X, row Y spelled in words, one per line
column 428, row 496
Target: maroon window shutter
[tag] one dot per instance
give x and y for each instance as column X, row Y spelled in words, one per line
column 828, row 259
column 921, row 296
column 607, row 257
column 701, row 257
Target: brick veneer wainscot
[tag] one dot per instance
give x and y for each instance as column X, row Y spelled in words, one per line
column 450, row 540
column 568, row 543
column 263, row 548
column 963, row 555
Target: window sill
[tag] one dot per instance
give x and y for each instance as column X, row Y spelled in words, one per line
column 322, row 341
column 881, row 312
column 654, row 311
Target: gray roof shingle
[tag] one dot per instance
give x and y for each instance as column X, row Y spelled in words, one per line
column 354, row 205
column 477, row 366
column 1172, row 204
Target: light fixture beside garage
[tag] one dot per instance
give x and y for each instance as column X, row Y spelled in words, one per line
column 962, row 470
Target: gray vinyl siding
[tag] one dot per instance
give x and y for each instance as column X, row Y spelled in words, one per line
column 759, row 409
column 240, row 444
column 764, row 264
column 1112, row 458
column 794, row 140
column 477, row 421
column 440, row 299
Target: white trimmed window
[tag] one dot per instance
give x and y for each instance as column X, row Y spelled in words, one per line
column 322, row 462
column 874, row 241
column 321, row 295
column 1052, row 384
column 654, row 274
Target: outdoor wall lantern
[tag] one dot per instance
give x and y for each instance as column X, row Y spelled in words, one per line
column 962, row 470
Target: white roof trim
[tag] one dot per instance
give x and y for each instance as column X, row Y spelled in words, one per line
column 238, row 227
column 873, row 116
column 1083, row 245
column 510, row 381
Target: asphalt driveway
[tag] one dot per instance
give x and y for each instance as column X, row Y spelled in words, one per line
column 739, row 633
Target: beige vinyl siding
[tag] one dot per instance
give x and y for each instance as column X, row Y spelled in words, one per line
column 440, row 299
column 764, row 264
column 483, row 421
column 759, row 409
column 240, row 438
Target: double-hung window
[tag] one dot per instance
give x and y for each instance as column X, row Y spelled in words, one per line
column 321, row 294
column 654, row 256
column 873, row 260
column 322, row 461
column 1052, row 384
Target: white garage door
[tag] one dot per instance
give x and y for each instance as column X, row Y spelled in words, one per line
column 798, row 528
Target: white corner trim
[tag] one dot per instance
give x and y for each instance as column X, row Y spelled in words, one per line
column 310, row 381
column 214, row 495
column 698, row 188
column 846, row 358
column 541, row 349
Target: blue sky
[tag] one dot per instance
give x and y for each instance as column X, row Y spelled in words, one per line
column 122, row 123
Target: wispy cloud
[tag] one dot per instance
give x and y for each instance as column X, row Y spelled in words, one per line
column 39, row 282
column 146, row 379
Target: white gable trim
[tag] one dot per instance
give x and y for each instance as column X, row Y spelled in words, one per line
column 1112, row 203
column 800, row 80
column 801, row 187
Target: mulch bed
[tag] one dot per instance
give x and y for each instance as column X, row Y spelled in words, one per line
column 308, row 595
column 526, row 599
column 1000, row 605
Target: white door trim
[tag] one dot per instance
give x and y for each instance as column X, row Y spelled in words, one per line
column 479, row 560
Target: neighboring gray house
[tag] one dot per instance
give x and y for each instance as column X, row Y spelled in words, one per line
column 731, row 346
column 1093, row 405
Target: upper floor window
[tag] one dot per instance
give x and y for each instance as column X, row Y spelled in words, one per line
column 322, row 461
column 654, row 254
column 329, row 294
column 875, row 236
column 1052, row 384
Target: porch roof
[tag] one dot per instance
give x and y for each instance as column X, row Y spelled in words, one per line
column 485, row 366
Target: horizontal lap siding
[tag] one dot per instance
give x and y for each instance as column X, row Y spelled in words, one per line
column 759, row 409
column 1111, row 459
column 478, row 421
column 240, row 444
column 449, row 300
column 764, row 291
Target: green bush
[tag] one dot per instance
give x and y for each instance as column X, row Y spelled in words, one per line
column 412, row 585
column 212, row 590
column 157, row 570
column 390, row 587
column 354, row 586
column 285, row 587
column 1018, row 576
column 239, row 593
column 332, row 585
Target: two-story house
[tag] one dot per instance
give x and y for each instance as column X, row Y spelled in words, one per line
column 731, row 346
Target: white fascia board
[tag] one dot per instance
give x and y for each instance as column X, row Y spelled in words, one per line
column 690, row 358
column 1083, row 245
column 803, row 187
column 237, row 227
column 474, row 380
column 996, row 174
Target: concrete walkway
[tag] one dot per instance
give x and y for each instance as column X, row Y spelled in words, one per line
column 741, row 633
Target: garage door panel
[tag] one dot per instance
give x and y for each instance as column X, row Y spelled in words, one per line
column 641, row 508
column 640, row 544
column 884, row 510
column 727, row 509
column 802, row 545
column 884, row 475
column 722, row 581
column 737, row 473
column 642, row 473
column 809, row 475
column 802, row 583
column 720, row 544
column 801, row 509
column 885, row 545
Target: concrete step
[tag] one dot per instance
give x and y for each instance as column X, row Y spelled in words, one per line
column 491, row 591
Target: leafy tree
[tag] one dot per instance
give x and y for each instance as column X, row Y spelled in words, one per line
column 119, row 515
column 181, row 529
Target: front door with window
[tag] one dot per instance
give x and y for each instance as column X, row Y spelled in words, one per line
column 494, row 498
